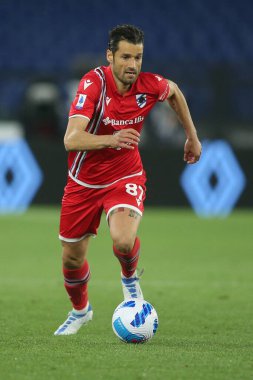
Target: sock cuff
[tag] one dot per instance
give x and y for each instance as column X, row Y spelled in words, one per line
column 77, row 276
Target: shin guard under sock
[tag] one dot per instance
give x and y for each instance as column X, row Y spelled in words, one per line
column 128, row 261
column 76, row 284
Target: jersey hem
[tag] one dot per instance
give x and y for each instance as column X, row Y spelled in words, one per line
column 102, row 186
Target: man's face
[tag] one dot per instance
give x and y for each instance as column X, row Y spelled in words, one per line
column 126, row 62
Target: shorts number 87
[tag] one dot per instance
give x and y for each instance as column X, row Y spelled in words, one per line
column 132, row 189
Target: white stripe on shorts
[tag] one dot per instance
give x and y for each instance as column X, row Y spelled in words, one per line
column 76, row 239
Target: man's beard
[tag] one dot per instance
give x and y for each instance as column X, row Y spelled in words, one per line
column 125, row 81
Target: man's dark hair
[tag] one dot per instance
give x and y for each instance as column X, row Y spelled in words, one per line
column 125, row 32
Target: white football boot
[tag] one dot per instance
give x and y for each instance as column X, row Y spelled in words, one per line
column 74, row 322
column 131, row 286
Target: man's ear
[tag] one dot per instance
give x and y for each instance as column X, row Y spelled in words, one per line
column 109, row 56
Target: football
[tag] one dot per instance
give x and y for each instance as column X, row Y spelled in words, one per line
column 135, row 321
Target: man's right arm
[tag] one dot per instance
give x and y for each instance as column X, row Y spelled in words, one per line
column 77, row 139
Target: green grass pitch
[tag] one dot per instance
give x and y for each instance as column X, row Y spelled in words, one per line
column 198, row 275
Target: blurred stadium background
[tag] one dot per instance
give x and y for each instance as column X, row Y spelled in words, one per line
column 205, row 47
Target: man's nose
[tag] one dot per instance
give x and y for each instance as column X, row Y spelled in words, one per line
column 132, row 63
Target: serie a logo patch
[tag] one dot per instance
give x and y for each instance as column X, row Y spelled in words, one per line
column 80, row 102
column 141, row 100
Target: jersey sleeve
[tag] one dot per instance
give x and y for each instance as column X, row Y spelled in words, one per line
column 163, row 87
column 87, row 96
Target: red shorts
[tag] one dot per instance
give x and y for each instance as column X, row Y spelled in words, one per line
column 82, row 207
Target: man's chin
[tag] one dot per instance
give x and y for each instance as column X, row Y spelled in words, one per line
column 128, row 81
column 131, row 81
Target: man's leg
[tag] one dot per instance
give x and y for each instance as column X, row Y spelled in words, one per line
column 76, row 272
column 76, row 276
column 124, row 223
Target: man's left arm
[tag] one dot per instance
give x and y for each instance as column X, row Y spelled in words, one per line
column 192, row 148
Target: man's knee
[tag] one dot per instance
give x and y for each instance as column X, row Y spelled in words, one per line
column 124, row 244
column 71, row 262
column 73, row 256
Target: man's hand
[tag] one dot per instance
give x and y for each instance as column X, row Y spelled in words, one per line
column 192, row 150
column 76, row 138
column 125, row 138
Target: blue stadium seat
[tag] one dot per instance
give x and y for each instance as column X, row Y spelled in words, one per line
column 48, row 35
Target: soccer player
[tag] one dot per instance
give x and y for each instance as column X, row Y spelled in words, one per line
column 105, row 168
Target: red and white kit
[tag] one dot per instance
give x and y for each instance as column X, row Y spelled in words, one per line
column 107, row 178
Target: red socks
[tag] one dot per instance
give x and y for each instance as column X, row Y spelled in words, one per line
column 128, row 261
column 76, row 284
column 76, row 280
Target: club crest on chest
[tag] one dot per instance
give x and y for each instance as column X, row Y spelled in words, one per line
column 141, row 100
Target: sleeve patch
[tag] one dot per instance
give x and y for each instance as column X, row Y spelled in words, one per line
column 80, row 102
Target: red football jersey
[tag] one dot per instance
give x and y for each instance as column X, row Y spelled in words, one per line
column 98, row 100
